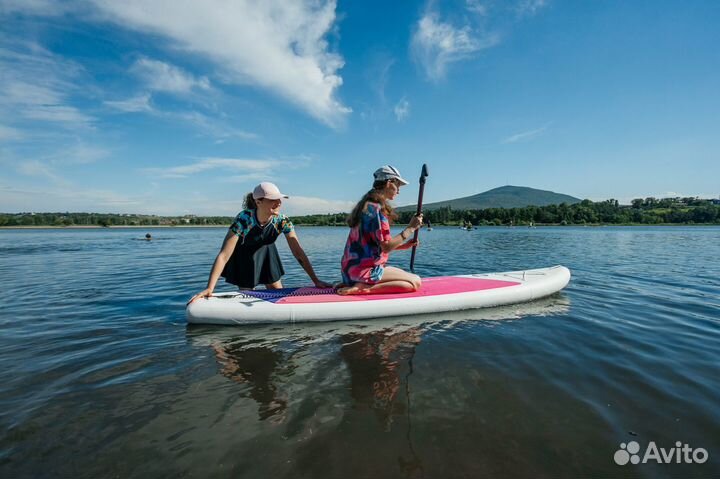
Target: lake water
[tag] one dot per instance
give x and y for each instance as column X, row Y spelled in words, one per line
column 101, row 377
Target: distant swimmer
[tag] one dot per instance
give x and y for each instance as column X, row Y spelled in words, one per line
column 148, row 236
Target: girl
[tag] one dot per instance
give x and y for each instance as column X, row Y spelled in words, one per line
column 370, row 241
column 248, row 256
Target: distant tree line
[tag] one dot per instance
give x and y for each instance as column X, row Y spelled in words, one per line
column 97, row 219
column 647, row 211
column 642, row 211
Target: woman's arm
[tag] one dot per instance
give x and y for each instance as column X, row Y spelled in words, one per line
column 220, row 261
column 301, row 257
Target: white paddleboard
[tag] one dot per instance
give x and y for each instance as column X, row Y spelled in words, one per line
column 438, row 294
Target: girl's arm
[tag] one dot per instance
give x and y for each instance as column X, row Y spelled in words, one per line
column 408, row 245
column 398, row 240
column 301, row 257
column 220, row 261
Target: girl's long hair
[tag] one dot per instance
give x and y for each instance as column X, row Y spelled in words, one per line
column 249, row 202
column 373, row 196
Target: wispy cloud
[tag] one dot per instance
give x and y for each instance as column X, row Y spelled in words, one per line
column 41, row 7
column 37, row 85
column 477, row 6
column 308, row 205
column 436, row 44
column 9, row 134
column 228, row 165
column 79, row 154
column 39, row 169
column 140, row 103
column 402, row 110
column 530, row 7
column 525, row 135
column 210, row 126
column 71, row 198
column 161, row 76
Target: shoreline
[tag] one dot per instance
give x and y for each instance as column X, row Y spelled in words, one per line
column 594, row 225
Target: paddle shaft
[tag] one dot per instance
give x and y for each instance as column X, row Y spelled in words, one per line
column 423, row 177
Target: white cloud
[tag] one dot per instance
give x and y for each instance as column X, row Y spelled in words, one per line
column 274, row 44
column 140, row 103
column 402, row 110
column 308, row 205
column 436, row 44
column 161, row 76
column 241, row 165
column 530, row 7
column 525, row 135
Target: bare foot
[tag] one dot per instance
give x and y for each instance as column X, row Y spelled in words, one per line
column 352, row 290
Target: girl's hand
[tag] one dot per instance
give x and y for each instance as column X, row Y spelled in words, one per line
column 206, row 293
column 322, row 284
column 416, row 222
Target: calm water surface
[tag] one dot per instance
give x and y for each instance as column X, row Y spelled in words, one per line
column 100, row 375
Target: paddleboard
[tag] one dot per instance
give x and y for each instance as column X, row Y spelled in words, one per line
column 437, row 294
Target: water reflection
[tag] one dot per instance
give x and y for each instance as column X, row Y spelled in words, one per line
column 380, row 363
column 256, row 366
column 375, row 362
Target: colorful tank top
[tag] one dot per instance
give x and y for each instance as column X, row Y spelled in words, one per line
column 363, row 259
column 246, row 220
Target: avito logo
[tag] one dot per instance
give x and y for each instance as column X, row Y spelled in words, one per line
column 680, row 454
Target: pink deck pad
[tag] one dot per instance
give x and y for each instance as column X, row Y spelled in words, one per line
column 431, row 287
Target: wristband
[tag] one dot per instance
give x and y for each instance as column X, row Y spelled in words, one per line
column 402, row 234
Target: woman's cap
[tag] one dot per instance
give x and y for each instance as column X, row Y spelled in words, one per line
column 268, row 190
column 388, row 172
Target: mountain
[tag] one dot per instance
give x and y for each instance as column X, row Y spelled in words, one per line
column 502, row 197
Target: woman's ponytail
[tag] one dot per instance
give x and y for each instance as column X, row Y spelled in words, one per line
column 249, row 202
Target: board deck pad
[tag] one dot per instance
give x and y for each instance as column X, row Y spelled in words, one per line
column 435, row 286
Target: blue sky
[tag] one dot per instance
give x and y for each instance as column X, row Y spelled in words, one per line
column 147, row 106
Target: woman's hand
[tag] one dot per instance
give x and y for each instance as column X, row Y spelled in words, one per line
column 206, row 293
column 416, row 222
column 322, row 284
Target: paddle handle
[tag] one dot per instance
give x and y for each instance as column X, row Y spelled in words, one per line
column 423, row 176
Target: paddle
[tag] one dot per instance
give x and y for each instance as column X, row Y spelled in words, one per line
column 423, row 176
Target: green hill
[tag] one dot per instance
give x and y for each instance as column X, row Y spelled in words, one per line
column 502, row 197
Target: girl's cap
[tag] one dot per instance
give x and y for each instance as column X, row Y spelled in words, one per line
column 268, row 190
column 388, row 172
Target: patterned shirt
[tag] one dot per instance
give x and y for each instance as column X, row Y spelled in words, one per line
column 247, row 219
column 363, row 259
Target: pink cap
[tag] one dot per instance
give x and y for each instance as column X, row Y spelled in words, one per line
column 268, row 190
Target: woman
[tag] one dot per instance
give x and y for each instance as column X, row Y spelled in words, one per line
column 248, row 256
column 370, row 241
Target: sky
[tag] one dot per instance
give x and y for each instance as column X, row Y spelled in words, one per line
column 182, row 107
